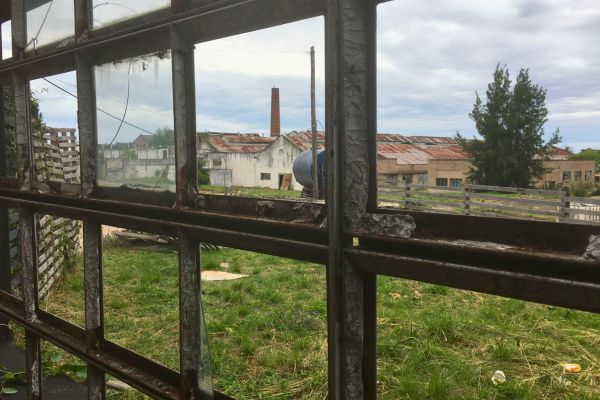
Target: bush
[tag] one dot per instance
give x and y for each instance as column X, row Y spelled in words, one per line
column 582, row 189
column 596, row 191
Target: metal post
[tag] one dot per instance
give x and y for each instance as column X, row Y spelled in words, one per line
column 350, row 294
column 196, row 376
column 467, row 204
column 27, row 229
column 565, row 204
column 313, row 124
column 5, row 276
column 92, row 229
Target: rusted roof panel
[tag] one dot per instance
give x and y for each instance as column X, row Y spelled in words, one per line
column 304, row 139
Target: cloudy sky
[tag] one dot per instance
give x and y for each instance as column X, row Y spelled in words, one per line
column 432, row 58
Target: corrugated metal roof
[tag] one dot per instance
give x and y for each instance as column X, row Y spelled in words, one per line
column 236, row 142
column 304, row 139
column 406, row 153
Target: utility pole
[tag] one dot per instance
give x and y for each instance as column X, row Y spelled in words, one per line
column 313, row 114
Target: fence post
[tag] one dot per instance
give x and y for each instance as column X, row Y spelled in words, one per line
column 404, row 193
column 467, row 204
column 565, row 204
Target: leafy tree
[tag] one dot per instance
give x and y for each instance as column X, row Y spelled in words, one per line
column 511, row 123
column 164, row 137
column 203, row 175
column 588, row 154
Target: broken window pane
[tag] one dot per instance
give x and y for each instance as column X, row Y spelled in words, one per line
column 60, row 268
column 54, row 129
column 136, row 141
column 141, row 293
column 108, row 12
column 249, row 147
column 426, row 88
column 63, row 374
column 49, row 21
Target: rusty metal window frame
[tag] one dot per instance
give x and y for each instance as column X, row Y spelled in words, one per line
column 543, row 273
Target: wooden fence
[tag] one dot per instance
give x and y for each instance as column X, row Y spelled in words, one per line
column 56, row 160
column 552, row 205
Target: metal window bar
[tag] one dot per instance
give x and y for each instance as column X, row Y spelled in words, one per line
column 546, row 277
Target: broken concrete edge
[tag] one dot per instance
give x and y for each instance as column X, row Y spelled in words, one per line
column 592, row 252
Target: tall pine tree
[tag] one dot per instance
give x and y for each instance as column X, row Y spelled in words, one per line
column 511, row 123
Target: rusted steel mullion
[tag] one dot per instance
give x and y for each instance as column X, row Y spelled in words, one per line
column 27, row 229
column 29, row 287
column 92, row 229
column 348, row 123
column 94, row 312
column 5, row 277
column 333, row 201
column 196, row 378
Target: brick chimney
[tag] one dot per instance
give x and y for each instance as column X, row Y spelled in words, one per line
column 275, row 113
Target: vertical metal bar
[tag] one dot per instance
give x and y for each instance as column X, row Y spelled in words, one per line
column 370, row 335
column 196, row 377
column 92, row 229
column 333, row 199
column 313, row 125
column 29, row 286
column 371, row 42
column 349, row 108
column 5, row 276
column 94, row 312
column 27, row 228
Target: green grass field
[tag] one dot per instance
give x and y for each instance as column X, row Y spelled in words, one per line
column 268, row 331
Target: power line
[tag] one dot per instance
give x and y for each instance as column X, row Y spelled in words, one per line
column 35, row 38
column 126, row 103
column 101, row 110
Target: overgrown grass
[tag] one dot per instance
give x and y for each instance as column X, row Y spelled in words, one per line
column 268, row 331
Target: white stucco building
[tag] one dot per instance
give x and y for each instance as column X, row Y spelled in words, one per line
column 251, row 160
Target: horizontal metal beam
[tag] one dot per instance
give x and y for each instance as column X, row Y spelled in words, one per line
column 150, row 32
column 297, row 241
column 145, row 375
column 513, row 279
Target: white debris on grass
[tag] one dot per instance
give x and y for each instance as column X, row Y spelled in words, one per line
column 220, row 276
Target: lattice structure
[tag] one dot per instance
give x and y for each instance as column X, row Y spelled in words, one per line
column 358, row 241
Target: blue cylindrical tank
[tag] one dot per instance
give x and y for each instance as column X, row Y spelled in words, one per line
column 303, row 169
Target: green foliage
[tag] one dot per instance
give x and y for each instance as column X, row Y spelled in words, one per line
column 511, row 123
column 164, row 137
column 588, row 154
column 268, row 331
column 582, row 189
column 203, row 176
column 130, row 154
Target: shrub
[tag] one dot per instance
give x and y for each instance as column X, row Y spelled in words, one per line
column 581, row 189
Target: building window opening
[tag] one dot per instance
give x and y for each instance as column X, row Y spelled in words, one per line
column 441, row 181
column 455, row 182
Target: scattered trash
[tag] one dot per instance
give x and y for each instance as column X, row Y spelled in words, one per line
column 118, row 385
column 220, row 276
column 564, row 381
column 395, row 296
column 571, row 368
column 498, row 377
